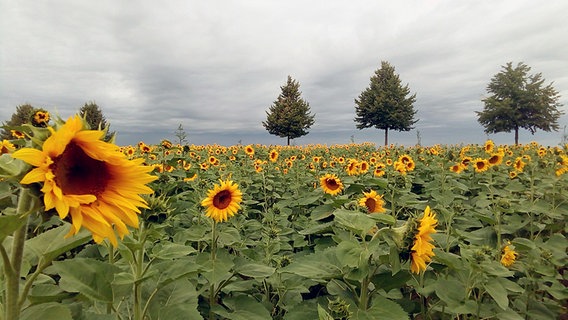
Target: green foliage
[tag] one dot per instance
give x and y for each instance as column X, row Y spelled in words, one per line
column 519, row 100
column 23, row 114
column 289, row 117
column 294, row 252
column 385, row 104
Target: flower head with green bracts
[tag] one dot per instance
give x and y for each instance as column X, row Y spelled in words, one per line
column 88, row 180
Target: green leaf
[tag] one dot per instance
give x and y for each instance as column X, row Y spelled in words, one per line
column 510, row 285
column 383, row 218
column 451, row 291
column 216, row 270
column 382, row 308
column 355, row 221
column 243, row 308
column 46, row 311
column 11, row 167
column 52, row 243
column 43, row 292
column 322, row 314
column 89, row 277
column 317, row 229
column 305, row 310
column 509, row 315
column 9, row 224
column 172, row 270
column 350, row 253
column 172, row 251
column 176, row 301
column 498, row 293
column 229, row 236
column 387, row 281
column 523, row 244
column 322, row 212
column 313, row 266
column 448, row 259
column 255, row 270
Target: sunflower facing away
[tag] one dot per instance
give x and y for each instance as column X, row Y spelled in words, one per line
column 331, row 184
column 508, row 257
column 373, row 202
column 421, row 250
column 88, row 179
column 223, row 201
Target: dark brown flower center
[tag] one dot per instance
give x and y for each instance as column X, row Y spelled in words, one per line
column 222, row 199
column 77, row 173
column 331, row 184
column 370, row 203
column 494, row 159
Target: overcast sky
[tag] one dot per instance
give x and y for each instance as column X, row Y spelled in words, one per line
column 216, row 66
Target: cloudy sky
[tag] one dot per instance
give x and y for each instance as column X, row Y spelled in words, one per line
column 216, row 66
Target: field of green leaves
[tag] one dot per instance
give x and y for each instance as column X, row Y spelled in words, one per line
column 303, row 247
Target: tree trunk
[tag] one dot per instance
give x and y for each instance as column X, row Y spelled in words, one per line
column 516, row 135
column 288, row 140
column 386, row 136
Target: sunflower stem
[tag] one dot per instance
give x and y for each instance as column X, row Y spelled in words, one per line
column 139, row 272
column 13, row 267
column 422, row 298
column 212, row 291
column 110, row 248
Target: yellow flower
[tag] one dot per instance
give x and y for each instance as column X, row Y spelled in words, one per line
column 17, row 134
column 273, row 155
column 489, row 146
column 457, row 168
column 41, row 118
column 331, row 184
column 223, row 201
column 496, row 158
column 6, row 147
column 89, row 179
column 421, row 251
column 378, row 172
column 508, row 256
column 373, row 202
column 249, row 150
column 352, row 167
column 519, row 164
column 192, row 178
column 480, row 165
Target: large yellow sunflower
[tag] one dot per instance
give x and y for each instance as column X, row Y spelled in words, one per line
column 372, row 201
column 89, row 179
column 331, row 184
column 421, row 250
column 223, row 201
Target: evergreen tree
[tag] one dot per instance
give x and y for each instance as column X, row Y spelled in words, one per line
column 290, row 115
column 385, row 104
column 23, row 114
column 519, row 100
column 95, row 118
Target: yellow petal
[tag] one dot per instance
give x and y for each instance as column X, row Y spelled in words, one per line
column 32, row 156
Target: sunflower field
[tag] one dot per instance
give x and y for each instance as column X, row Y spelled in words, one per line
column 273, row 232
